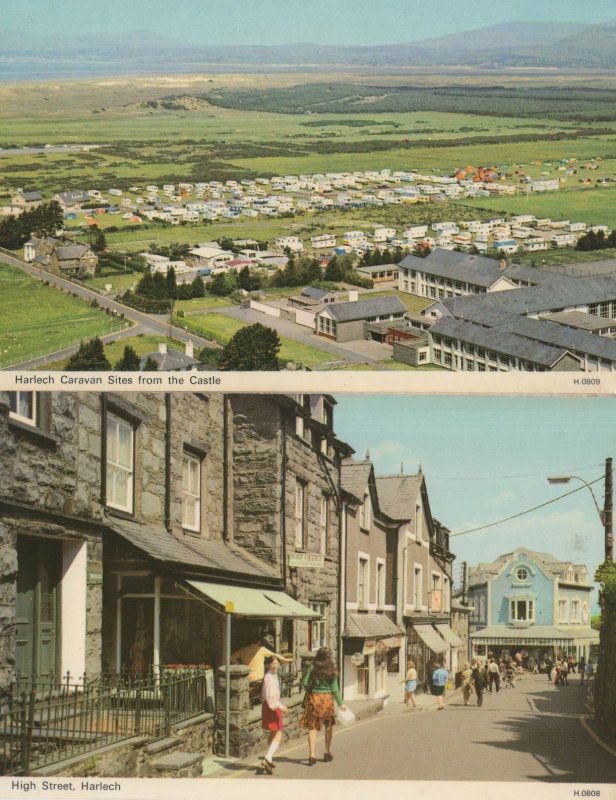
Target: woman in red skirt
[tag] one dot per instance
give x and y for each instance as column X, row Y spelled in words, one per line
column 271, row 711
column 321, row 683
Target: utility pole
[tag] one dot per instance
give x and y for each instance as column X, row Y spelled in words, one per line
column 607, row 512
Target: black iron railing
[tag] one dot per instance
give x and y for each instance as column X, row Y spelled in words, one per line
column 44, row 721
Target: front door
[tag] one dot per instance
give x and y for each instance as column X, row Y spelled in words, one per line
column 37, row 607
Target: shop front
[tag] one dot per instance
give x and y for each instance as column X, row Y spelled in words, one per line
column 533, row 645
column 426, row 647
column 372, row 647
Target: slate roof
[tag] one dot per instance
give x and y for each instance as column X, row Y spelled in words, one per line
column 550, row 563
column 314, row 293
column 475, row 269
column 377, row 268
column 370, row 626
column 482, row 312
column 360, row 309
column 195, row 553
column 559, row 291
column 354, row 478
column 500, row 340
column 397, row 494
column 581, row 320
column 71, row 252
column 32, row 197
column 170, row 361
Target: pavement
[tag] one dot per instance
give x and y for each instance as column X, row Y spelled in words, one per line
column 533, row 732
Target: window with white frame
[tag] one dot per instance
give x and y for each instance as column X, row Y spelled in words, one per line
column 324, row 522
column 562, row 611
column 318, row 627
column 120, row 463
column 22, row 407
column 300, row 520
column 575, row 611
column 446, row 594
column 521, row 610
column 436, row 593
column 380, row 583
column 365, row 512
column 417, row 586
column 299, row 426
column 418, row 523
column 191, row 492
column 363, row 567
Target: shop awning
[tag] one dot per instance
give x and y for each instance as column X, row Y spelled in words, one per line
column 261, row 603
column 431, row 638
column 452, row 639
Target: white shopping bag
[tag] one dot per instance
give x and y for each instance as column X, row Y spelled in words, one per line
column 345, row 717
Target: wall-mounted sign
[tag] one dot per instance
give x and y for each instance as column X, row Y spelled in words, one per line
column 307, row 560
column 436, row 602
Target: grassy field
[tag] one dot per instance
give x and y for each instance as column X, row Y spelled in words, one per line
column 36, row 319
column 220, row 328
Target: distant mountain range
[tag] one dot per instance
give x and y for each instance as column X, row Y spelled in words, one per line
column 520, row 44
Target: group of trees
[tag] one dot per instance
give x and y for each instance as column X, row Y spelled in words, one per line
column 91, row 358
column 156, row 292
column 596, row 241
column 342, row 268
column 42, row 221
column 374, row 258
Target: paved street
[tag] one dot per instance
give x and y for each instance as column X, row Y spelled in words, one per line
column 534, row 732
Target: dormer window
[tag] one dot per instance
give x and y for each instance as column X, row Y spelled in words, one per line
column 522, row 574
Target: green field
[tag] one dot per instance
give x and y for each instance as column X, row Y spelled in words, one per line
column 36, row 319
column 219, row 328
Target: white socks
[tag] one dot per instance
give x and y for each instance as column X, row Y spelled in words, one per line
column 272, row 749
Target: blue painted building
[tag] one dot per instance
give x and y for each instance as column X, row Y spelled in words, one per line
column 530, row 603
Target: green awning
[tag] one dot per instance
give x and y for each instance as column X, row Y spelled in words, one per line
column 262, row 603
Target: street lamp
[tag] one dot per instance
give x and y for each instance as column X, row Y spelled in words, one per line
column 605, row 515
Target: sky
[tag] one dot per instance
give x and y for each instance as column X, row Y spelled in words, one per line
column 487, row 458
column 351, row 22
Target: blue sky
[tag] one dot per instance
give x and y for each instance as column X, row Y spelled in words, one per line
column 283, row 21
column 486, row 458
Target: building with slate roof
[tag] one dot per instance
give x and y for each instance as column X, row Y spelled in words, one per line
column 312, row 297
column 563, row 323
column 345, row 322
column 61, row 256
column 171, row 360
column 533, row 604
column 129, row 521
column 398, row 583
column 448, row 273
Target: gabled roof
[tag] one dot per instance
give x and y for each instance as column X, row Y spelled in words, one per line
column 314, row 293
column 355, row 476
column 71, row 252
column 32, row 197
column 360, row 309
column 397, row 494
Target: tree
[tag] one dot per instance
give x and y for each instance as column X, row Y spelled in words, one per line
column 254, row 347
column 198, row 287
column 129, row 362
column 171, row 284
column 98, row 241
column 89, row 358
column 224, row 283
column 150, row 365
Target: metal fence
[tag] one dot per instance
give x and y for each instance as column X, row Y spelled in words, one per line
column 43, row 722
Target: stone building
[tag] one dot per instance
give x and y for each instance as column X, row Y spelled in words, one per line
column 132, row 524
column 286, row 505
column 62, row 256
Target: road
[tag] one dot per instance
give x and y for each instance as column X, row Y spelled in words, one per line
column 146, row 323
column 534, row 732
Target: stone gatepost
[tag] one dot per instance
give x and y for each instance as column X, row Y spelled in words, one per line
column 240, row 737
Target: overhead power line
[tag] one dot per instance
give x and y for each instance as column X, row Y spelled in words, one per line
column 528, row 510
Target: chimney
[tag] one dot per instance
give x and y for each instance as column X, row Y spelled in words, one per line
column 502, row 264
column 353, row 295
column 189, row 349
column 162, row 348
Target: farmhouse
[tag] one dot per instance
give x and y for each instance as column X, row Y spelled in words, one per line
column 345, row 322
column 72, row 200
column 61, row 256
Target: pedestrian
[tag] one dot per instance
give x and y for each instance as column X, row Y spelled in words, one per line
column 589, row 670
column 564, row 672
column 510, row 675
column 440, row 676
column 466, row 677
column 549, row 666
column 493, row 676
column 571, row 664
column 478, row 680
column 582, row 668
column 558, row 667
column 410, row 685
column 321, row 684
column 271, row 711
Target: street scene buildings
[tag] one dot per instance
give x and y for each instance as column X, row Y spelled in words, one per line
column 150, row 540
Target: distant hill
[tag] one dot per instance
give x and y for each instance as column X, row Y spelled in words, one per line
column 542, row 44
